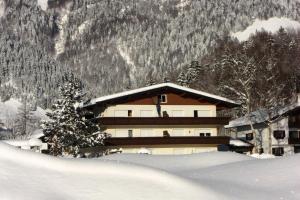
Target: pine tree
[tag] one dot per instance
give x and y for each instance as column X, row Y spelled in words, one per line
column 68, row 130
column 189, row 76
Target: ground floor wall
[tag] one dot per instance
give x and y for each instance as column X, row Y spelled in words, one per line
column 169, row 150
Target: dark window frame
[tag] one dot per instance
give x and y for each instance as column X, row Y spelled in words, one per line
column 195, row 113
column 278, row 151
column 163, row 98
column 295, row 136
column 130, row 133
column 279, row 134
column 249, row 136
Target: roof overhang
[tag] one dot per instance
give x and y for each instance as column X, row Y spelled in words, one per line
column 111, row 99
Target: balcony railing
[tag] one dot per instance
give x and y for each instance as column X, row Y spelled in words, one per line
column 163, row 120
column 188, row 140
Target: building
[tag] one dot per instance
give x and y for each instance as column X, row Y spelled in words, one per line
column 277, row 131
column 34, row 143
column 163, row 119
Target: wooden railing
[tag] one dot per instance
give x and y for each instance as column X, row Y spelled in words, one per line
column 121, row 141
column 163, row 120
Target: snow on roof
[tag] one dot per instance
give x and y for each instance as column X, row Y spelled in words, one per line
column 256, row 117
column 161, row 85
column 23, row 143
column 238, row 143
column 37, row 134
column 262, row 115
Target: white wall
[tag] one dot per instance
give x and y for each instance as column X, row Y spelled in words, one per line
column 177, row 110
column 157, row 131
column 172, row 150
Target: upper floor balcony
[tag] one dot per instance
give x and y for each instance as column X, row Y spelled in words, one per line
column 109, row 121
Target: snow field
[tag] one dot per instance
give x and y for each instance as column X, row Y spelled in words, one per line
column 214, row 175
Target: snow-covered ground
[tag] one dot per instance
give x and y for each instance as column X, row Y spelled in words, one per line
column 180, row 163
column 27, row 175
column 271, row 25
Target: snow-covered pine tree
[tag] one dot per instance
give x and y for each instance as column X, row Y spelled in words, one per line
column 186, row 78
column 68, row 130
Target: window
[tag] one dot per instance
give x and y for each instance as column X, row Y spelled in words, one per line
column 130, row 134
column 297, row 149
column 294, row 134
column 166, row 133
column 162, row 98
column 203, row 132
column 195, row 113
column 278, row 151
column 279, row 134
column 129, row 113
column 249, row 136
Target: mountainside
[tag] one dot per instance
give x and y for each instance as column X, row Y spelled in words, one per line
column 113, row 45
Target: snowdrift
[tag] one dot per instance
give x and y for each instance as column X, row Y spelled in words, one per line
column 27, row 175
column 254, row 179
column 180, row 163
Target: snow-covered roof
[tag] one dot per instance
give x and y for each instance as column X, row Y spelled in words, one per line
column 161, row 85
column 22, row 143
column 238, row 143
column 262, row 115
column 37, row 134
column 257, row 117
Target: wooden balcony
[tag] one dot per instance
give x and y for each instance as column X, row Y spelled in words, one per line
column 184, row 140
column 163, row 120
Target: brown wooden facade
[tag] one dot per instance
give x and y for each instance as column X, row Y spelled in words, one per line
column 175, row 97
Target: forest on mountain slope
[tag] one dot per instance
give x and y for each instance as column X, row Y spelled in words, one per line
column 113, row 45
column 262, row 72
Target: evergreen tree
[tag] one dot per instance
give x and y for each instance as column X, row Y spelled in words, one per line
column 68, row 130
column 189, row 76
